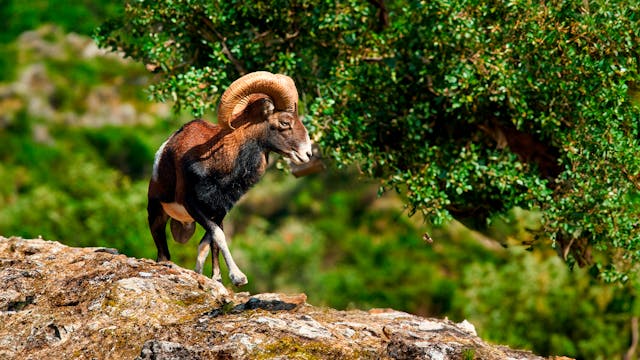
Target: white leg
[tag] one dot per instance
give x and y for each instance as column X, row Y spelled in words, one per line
column 236, row 276
column 203, row 252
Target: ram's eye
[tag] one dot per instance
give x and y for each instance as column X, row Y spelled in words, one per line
column 284, row 124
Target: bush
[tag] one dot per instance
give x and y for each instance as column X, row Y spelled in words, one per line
column 539, row 304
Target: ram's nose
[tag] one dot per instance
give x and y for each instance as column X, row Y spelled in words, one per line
column 305, row 156
column 304, row 152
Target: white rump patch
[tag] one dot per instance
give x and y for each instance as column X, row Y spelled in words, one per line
column 156, row 160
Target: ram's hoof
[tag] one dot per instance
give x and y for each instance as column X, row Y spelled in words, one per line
column 238, row 279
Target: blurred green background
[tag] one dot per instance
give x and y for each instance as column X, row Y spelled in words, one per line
column 77, row 140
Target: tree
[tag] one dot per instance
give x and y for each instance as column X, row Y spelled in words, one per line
column 467, row 108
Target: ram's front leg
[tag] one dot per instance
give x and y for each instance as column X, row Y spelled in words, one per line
column 215, row 260
column 203, row 251
column 215, row 263
column 238, row 278
column 214, row 237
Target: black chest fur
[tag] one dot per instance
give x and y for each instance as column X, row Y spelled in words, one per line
column 217, row 192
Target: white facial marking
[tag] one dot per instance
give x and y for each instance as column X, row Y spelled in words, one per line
column 303, row 153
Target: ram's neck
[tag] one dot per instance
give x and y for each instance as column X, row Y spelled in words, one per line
column 248, row 167
column 246, row 146
column 230, row 147
column 251, row 159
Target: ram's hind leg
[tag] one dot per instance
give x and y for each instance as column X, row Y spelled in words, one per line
column 157, row 224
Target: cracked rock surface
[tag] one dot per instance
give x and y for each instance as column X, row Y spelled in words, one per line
column 59, row 302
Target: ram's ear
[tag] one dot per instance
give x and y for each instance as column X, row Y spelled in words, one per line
column 267, row 108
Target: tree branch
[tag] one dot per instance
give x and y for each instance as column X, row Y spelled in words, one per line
column 382, row 13
column 219, row 38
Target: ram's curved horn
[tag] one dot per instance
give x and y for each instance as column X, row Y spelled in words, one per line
column 280, row 88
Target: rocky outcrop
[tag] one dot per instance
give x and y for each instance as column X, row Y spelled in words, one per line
column 58, row 302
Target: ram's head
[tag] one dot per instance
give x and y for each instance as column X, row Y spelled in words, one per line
column 276, row 99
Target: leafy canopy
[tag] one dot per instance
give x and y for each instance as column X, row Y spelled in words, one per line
column 468, row 108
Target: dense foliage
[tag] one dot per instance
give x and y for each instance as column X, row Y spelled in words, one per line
column 78, row 138
column 467, row 108
column 79, row 16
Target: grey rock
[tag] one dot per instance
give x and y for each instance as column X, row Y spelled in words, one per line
column 166, row 350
